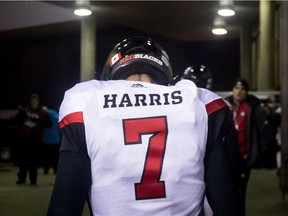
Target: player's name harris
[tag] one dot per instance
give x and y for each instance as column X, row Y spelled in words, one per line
column 135, row 100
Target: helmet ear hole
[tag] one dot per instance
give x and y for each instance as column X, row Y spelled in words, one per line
column 138, row 55
column 200, row 75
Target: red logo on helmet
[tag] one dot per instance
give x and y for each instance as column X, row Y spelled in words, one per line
column 127, row 58
column 114, row 59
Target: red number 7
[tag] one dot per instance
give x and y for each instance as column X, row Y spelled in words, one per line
column 150, row 186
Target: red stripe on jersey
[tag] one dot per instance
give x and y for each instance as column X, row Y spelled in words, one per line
column 76, row 117
column 215, row 105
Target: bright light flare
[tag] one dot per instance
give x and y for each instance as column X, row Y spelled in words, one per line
column 82, row 12
column 226, row 12
column 219, row 31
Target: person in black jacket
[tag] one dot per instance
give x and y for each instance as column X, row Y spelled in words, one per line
column 254, row 130
column 105, row 153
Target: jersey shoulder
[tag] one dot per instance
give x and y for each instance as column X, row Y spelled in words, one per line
column 189, row 86
column 76, row 97
column 211, row 100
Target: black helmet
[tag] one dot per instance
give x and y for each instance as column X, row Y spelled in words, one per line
column 138, row 55
column 200, row 75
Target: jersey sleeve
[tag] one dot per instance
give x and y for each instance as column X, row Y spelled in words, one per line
column 71, row 120
column 222, row 162
column 73, row 179
column 222, row 157
column 212, row 101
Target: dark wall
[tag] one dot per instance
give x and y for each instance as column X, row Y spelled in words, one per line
column 222, row 57
column 47, row 66
column 51, row 65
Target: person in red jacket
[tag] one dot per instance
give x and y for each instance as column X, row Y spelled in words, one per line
column 32, row 120
column 253, row 128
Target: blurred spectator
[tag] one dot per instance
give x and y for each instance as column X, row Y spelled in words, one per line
column 254, row 130
column 274, row 119
column 278, row 139
column 51, row 142
column 32, row 120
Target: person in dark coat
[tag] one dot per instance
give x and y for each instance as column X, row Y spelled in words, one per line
column 254, row 130
column 32, row 120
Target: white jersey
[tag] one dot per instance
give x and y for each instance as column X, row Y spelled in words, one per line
column 146, row 143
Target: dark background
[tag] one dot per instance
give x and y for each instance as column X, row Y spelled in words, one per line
column 49, row 65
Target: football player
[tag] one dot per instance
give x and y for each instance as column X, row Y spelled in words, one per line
column 136, row 145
